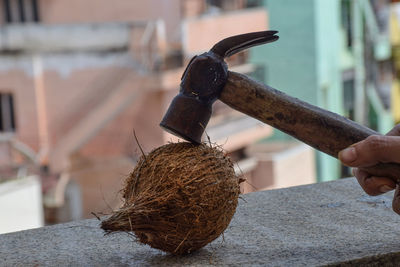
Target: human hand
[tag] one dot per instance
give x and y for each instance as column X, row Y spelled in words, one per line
column 369, row 152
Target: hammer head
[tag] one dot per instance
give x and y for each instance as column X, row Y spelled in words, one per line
column 190, row 111
column 202, row 83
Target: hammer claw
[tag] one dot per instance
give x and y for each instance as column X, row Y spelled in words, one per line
column 232, row 45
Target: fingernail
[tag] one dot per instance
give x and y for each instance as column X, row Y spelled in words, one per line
column 385, row 188
column 348, row 155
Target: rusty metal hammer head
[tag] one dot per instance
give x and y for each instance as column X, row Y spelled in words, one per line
column 201, row 84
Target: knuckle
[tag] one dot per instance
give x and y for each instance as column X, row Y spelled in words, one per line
column 376, row 143
column 369, row 186
column 371, row 191
column 367, row 189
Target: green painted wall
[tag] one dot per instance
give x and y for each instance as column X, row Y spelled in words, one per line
column 287, row 59
column 329, row 82
column 305, row 62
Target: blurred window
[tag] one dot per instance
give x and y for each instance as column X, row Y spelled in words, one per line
column 347, row 21
column 348, row 93
column 17, row 11
column 226, row 5
column 7, row 115
column 254, row 3
column 382, row 12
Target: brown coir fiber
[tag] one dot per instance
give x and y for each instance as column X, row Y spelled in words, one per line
column 179, row 198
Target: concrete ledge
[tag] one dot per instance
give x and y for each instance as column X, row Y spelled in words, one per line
column 330, row 223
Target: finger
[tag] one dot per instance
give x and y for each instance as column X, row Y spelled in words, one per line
column 396, row 200
column 371, row 151
column 373, row 185
column 395, row 131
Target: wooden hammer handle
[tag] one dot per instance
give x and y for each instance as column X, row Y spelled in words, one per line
column 319, row 128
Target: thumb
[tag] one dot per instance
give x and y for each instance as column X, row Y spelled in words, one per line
column 371, row 151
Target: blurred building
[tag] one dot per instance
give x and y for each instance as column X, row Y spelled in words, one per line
column 336, row 55
column 80, row 81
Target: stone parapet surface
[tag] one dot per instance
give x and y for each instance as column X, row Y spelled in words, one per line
column 331, row 223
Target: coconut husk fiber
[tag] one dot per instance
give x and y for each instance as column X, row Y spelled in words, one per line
column 179, row 198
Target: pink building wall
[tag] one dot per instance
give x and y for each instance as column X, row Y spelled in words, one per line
column 95, row 11
column 202, row 32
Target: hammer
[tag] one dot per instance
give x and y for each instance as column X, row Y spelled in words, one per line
column 207, row 79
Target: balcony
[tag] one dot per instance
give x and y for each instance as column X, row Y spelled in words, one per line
column 144, row 40
column 62, row 38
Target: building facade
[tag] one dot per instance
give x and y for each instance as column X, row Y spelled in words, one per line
column 336, row 55
column 84, row 85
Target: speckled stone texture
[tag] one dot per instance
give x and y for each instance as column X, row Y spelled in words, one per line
column 332, row 223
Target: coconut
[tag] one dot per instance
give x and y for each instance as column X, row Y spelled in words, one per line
column 179, row 198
